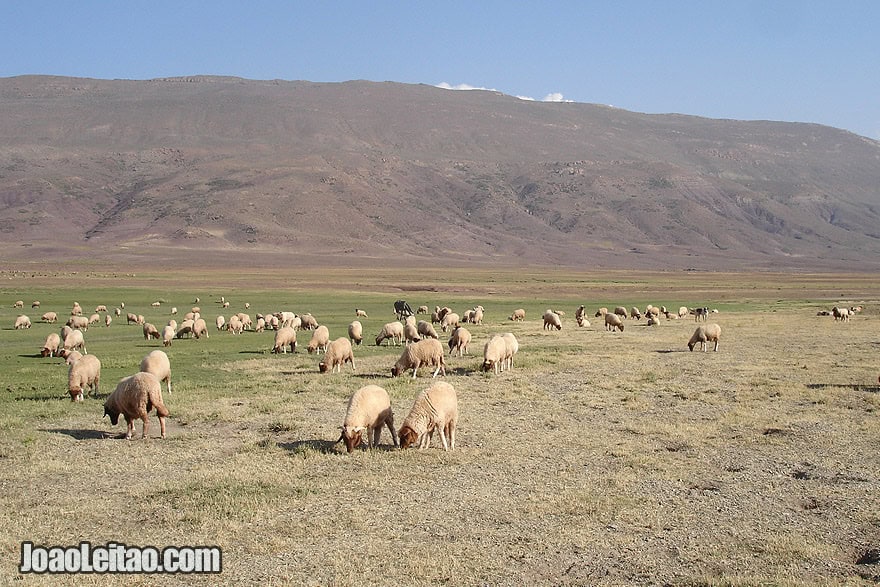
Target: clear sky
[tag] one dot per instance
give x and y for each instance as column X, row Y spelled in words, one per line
column 806, row 61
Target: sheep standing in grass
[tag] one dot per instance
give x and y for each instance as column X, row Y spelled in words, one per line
column 356, row 332
column 234, row 325
column 552, row 320
column 22, row 323
column 338, row 353
column 435, row 408
column 635, row 313
column 422, row 310
column 200, row 328
column 18, row 304
column 392, row 331
column 841, row 314
column 426, row 329
column 51, row 346
column 459, row 341
column 135, row 397
column 131, row 318
column 451, row 319
column 86, row 372
column 622, row 312
column 494, row 354
column 284, row 337
column 307, row 322
column 360, row 313
column 108, row 320
column 512, row 347
column 220, row 322
column 600, row 312
column 410, row 332
column 70, row 357
column 427, row 352
column 50, row 317
column 518, row 315
column 157, row 363
column 167, row 335
column 320, row 340
column 705, row 334
column 683, row 311
column 75, row 340
column 369, row 409
column 78, row 322
column 150, row 331
column 613, row 321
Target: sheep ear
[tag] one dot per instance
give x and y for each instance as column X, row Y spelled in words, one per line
column 359, row 428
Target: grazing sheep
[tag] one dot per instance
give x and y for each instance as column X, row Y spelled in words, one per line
column 234, row 325
column 167, row 335
column 156, row 304
column 173, row 324
column 131, row 318
column 246, row 322
column 150, row 331
column 260, row 325
column 494, row 354
column 410, row 332
column 196, row 310
column 94, row 319
column 86, row 372
column 308, row 322
column 704, row 334
column 552, row 320
column 369, row 409
column 320, row 340
column 653, row 320
column 135, row 397
column 467, row 315
column 273, row 322
column 512, row 347
column 22, row 322
column 450, row 319
column 613, row 321
column 683, row 311
column 842, row 314
column 50, row 317
column 284, row 337
column 653, row 311
column 422, row 310
column 78, row 322
column 356, row 332
column 174, row 310
column 360, row 313
column 157, row 363
column 518, row 315
column 600, row 312
column 439, row 313
column 435, row 408
column 477, row 315
column 51, row 346
column 426, row 329
column 185, row 329
column 108, row 320
column 424, row 352
column 459, row 341
column 35, row 304
column 118, row 312
column 580, row 314
column 77, row 309
column 74, row 341
column 622, row 312
column 392, row 331
column 338, row 353
column 220, row 322
column 200, row 328
column 635, row 313
column 700, row 314
column 70, row 357
column 18, row 304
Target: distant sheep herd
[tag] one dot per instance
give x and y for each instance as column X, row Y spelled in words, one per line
column 435, row 409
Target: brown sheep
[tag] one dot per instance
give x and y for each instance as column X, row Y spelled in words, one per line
column 135, row 397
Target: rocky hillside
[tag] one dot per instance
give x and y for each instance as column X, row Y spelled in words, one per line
column 228, row 170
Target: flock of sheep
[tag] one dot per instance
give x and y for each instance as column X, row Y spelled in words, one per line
column 369, row 410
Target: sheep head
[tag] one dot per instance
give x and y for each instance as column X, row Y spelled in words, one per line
column 322, row 367
column 395, row 371
column 407, row 436
column 352, row 436
column 76, row 394
column 114, row 415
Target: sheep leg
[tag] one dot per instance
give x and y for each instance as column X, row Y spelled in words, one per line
column 443, row 438
column 130, row 429
column 377, row 432
column 450, row 432
column 162, row 425
column 146, row 419
column 416, row 368
column 390, row 423
column 437, row 370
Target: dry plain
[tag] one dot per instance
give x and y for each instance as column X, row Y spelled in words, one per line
column 602, row 458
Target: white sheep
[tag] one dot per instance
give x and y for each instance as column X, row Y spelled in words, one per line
column 86, row 372
column 78, row 322
column 131, row 318
column 459, row 341
column 18, row 304
column 157, row 363
column 307, row 322
column 100, row 308
column 22, row 323
column 220, row 322
column 167, row 335
column 842, row 314
column 600, row 312
column 552, row 320
column 683, row 311
column 174, row 310
column 512, row 347
column 234, row 325
column 134, row 397
column 200, row 328
column 494, row 354
column 635, row 313
column 622, row 312
column 422, row 310
column 338, row 353
column 369, row 409
column 410, row 332
column 75, row 340
column 356, row 332
column 70, row 357
column 52, row 346
column 360, row 313
column 50, row 317
column 426, row 329
column 518, row 315
column 246, row 322
column 108, row 320
column 477, row 316
column 259, row 325
column 150, row 331
column 424, row 352
column 704, row 334
column 450, row 319
column 435, row 408
column 284, row 337
column 320, row 340
column 35, row 304
column 613, row 321
column 392, row 331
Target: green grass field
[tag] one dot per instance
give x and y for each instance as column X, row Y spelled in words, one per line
column 601, row 458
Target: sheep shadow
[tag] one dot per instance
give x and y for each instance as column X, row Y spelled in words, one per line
column 665, row 351
column 82, row 434
column 327, row 447
column 851, row 386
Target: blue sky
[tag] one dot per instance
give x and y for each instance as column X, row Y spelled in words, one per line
column 805, row 61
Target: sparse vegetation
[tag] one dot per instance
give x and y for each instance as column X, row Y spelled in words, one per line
column 599, row 459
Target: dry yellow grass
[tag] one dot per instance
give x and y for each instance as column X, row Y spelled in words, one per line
column 602, row 458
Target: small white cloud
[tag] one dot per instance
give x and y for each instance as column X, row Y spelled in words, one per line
column 448, row 86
